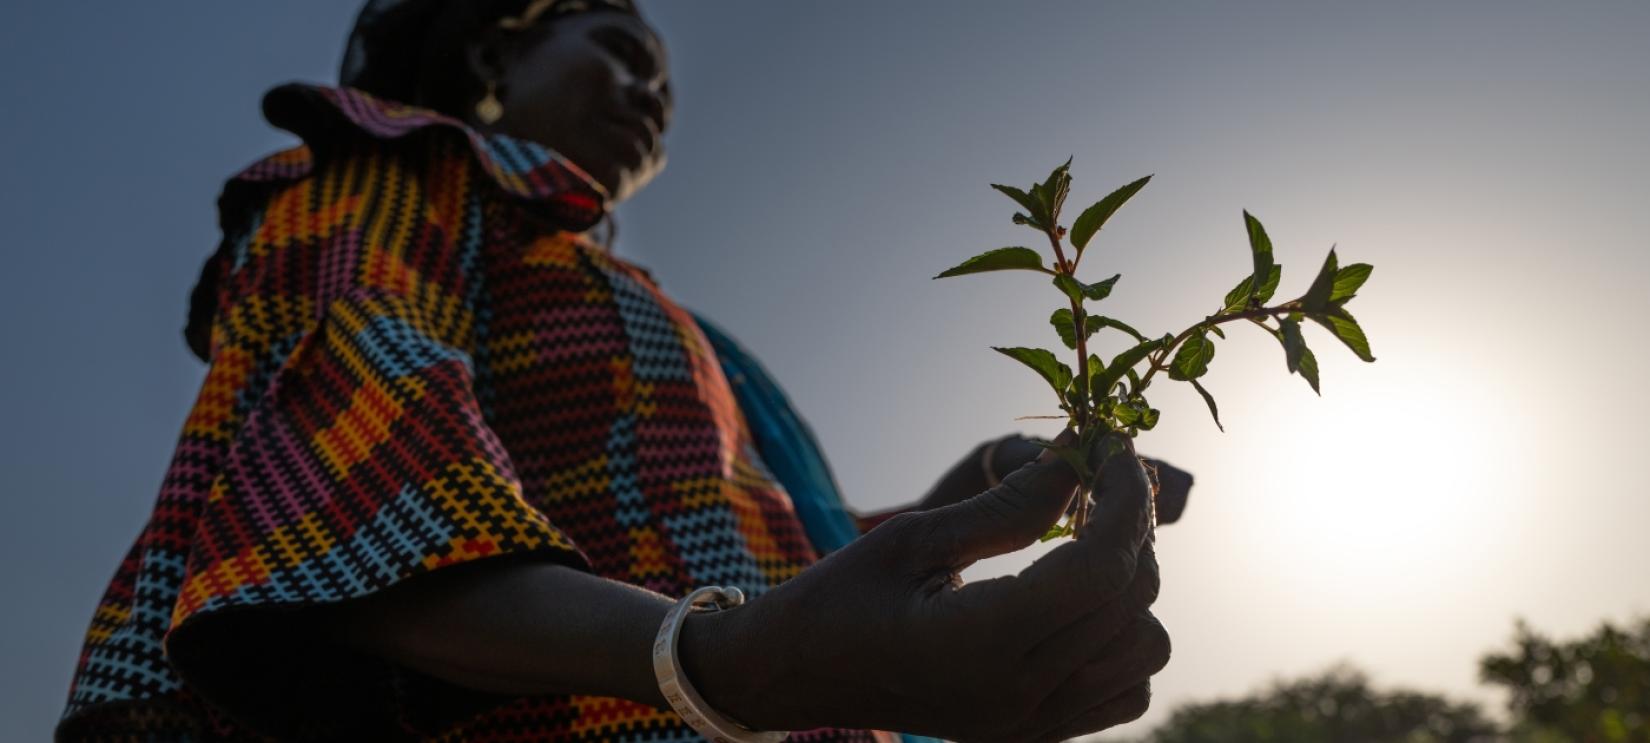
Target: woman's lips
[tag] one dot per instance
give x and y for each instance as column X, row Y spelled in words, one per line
column 641, row 130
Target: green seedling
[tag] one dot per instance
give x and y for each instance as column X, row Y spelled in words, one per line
column 1105, row 396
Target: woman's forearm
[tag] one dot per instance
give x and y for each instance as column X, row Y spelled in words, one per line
column 515, row 628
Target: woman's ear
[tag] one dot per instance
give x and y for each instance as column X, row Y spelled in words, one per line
column 485, row 58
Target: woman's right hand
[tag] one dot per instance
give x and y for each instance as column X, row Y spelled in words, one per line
column 883, row 634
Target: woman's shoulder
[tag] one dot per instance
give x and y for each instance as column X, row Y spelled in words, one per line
column 359, row 155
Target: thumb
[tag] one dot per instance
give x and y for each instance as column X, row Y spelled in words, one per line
column 1124, row 509
column 1009, row 516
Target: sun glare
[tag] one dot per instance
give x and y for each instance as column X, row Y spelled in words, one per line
column 1392, row 476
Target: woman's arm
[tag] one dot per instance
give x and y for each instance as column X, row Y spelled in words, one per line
column 515, row 627
column 878, row 635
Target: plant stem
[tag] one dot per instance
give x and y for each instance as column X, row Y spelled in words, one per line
column 1208, row 322
column 1080, row 411
column 1059, row 254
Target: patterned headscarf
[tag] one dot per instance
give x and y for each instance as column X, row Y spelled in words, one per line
column 385, row 47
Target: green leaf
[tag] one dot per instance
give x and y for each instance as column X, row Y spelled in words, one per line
column 1343, row 326
column 1097, row 376
column 1020, row 197
column 1001, row 259
column 1317, row 297
column 1309, row 369
column 1293, row 343
column 1043, row 362
column 1296, row 355
column 1301, row 360
column 1125, row 413
column 1065, row 326
column 1100, row 290
column 1123, row 362
column 1260, row 247
column 1238, row 297
column 1039, row 210
column 1094, row 217
column 1079, row 390
column 1192, row 360
column 1052, row 192
column 1079, row 291
column 1208, row 399
column 1056, row 531
column 1097, row 322
column 1070, row 286
column 1348, row 279
column 1148, row 419
column 1217, row 331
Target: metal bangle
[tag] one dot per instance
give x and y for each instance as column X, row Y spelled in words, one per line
column 673, row 682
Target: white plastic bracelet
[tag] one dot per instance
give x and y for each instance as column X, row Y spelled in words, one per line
column 673, row 683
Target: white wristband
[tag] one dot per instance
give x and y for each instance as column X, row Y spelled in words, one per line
column 673, row 683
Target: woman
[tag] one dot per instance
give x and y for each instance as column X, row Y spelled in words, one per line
column 454, row 463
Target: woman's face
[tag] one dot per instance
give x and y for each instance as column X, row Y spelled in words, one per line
column 592, row 86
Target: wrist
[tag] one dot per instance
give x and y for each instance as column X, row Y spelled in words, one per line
column 729, row 673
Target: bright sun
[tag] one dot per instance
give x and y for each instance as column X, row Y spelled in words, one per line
column 1392, row 476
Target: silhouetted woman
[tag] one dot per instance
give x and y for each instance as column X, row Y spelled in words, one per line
column 454, row 462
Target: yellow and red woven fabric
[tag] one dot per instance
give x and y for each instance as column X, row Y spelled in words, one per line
column 416, row 362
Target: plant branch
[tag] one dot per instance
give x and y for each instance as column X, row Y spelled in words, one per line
column 1160, row 362
column 1079, row 318
column 1060, row 254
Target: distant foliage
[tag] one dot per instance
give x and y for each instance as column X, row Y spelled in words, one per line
column 1338, row 705
column 1593, row 689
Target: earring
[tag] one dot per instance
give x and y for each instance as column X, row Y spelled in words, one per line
column 488, row 109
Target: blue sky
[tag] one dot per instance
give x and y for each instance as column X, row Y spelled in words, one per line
column 827, row 159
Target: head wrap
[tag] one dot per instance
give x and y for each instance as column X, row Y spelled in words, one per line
column 386, row 46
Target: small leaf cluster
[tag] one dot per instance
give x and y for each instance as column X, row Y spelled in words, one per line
column 1100, row 395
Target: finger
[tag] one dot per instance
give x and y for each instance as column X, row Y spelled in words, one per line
column 1014, row 452
column 1122, row 492
column 1136, row 654
column 1084, row 575
column 1174, row 486
column 1125, row 707
column 1077, row 644
column 1005, row 518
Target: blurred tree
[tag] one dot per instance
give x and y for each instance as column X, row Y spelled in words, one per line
column 1338, row 705
column 1592, row 690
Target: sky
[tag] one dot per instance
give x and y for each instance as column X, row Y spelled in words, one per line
column 1488, row 158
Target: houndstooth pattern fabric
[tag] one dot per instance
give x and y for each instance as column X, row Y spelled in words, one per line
column 412, row 367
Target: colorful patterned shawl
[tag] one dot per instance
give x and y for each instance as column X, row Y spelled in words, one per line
column 416, row 363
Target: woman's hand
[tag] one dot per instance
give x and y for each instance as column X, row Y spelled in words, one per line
column 883, row 633
column 967, row 477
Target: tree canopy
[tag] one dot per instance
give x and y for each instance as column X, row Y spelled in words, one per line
column 1595, row 689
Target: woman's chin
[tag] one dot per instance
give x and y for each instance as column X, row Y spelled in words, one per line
column 627, row 180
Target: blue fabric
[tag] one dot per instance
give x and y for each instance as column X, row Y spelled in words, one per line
column 786, row 444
